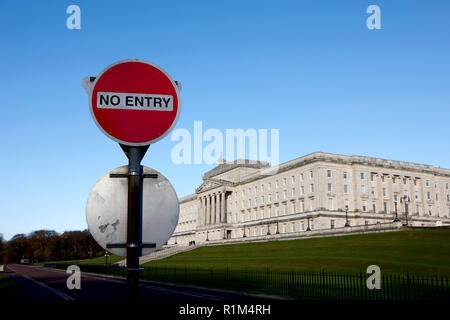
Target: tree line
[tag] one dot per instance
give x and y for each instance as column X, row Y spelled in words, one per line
column 48, row 245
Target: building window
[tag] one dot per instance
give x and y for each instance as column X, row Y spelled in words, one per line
column 262, row 188
column 382, row 178
column 303, row 226
column 393, row 180
column 364, row 207
column 346, row 204
column 302, row 190
column 345, row 175
column 329, row 173
column 262, row 199
column 310, row 175
column 345, row 189
column 269, row 185
column 303, row 206
column 293, row 179
column 293, row 192
column 332, row 224
column 385, row 207
column 417, row 209
column 428, row 195
column 384, row 192
column 277, row 197
column 294, row 207
column 404, row 181
column 311, row 188
column 416, row 195
column 293, row 227
column 362, row 175
column 374, row 208
column 276, row 184
column 329, row 187
column 312, row 225
column 269, row 200
column 330, row 203
column 415, row 182
column 284, row 195
column 284, row 228
column 372, row 191
column 284, row 181
column 312, row 204
column 301, row 176
column 372, row 177
column 427, row 183
column 363, row 189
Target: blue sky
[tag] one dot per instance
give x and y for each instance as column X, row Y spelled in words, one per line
column 308, row 68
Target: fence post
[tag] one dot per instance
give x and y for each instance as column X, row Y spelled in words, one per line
column 448, row 293
column 361, row 280
column 323, row 284
column 408, row 281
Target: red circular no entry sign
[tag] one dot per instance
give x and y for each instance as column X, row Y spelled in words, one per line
column 135, row 102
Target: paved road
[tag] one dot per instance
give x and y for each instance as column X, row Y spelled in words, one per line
column 50, row 284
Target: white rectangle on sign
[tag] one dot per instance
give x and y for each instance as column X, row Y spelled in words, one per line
column 134, row 101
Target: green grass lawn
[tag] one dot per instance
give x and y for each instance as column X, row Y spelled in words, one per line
column 99, row 260
column 10, row 290
column 418, row 251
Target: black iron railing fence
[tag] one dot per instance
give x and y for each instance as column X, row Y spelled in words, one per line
column 293, row 284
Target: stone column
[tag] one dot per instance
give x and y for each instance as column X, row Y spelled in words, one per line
column 223, row 216
column 213, row 209
column 203, row 211
column 218, row 208
column 208, row 208
column 200, row 211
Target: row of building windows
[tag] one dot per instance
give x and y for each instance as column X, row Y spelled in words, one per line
column 330, row 175
column 330, row 190
column 270, row 212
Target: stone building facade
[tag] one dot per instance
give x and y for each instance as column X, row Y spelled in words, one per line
column 247, row 199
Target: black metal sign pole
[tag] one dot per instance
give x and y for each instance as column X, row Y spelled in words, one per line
column 134, row 221
column 134, row 243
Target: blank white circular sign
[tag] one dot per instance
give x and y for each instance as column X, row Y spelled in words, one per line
column 106, row 210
